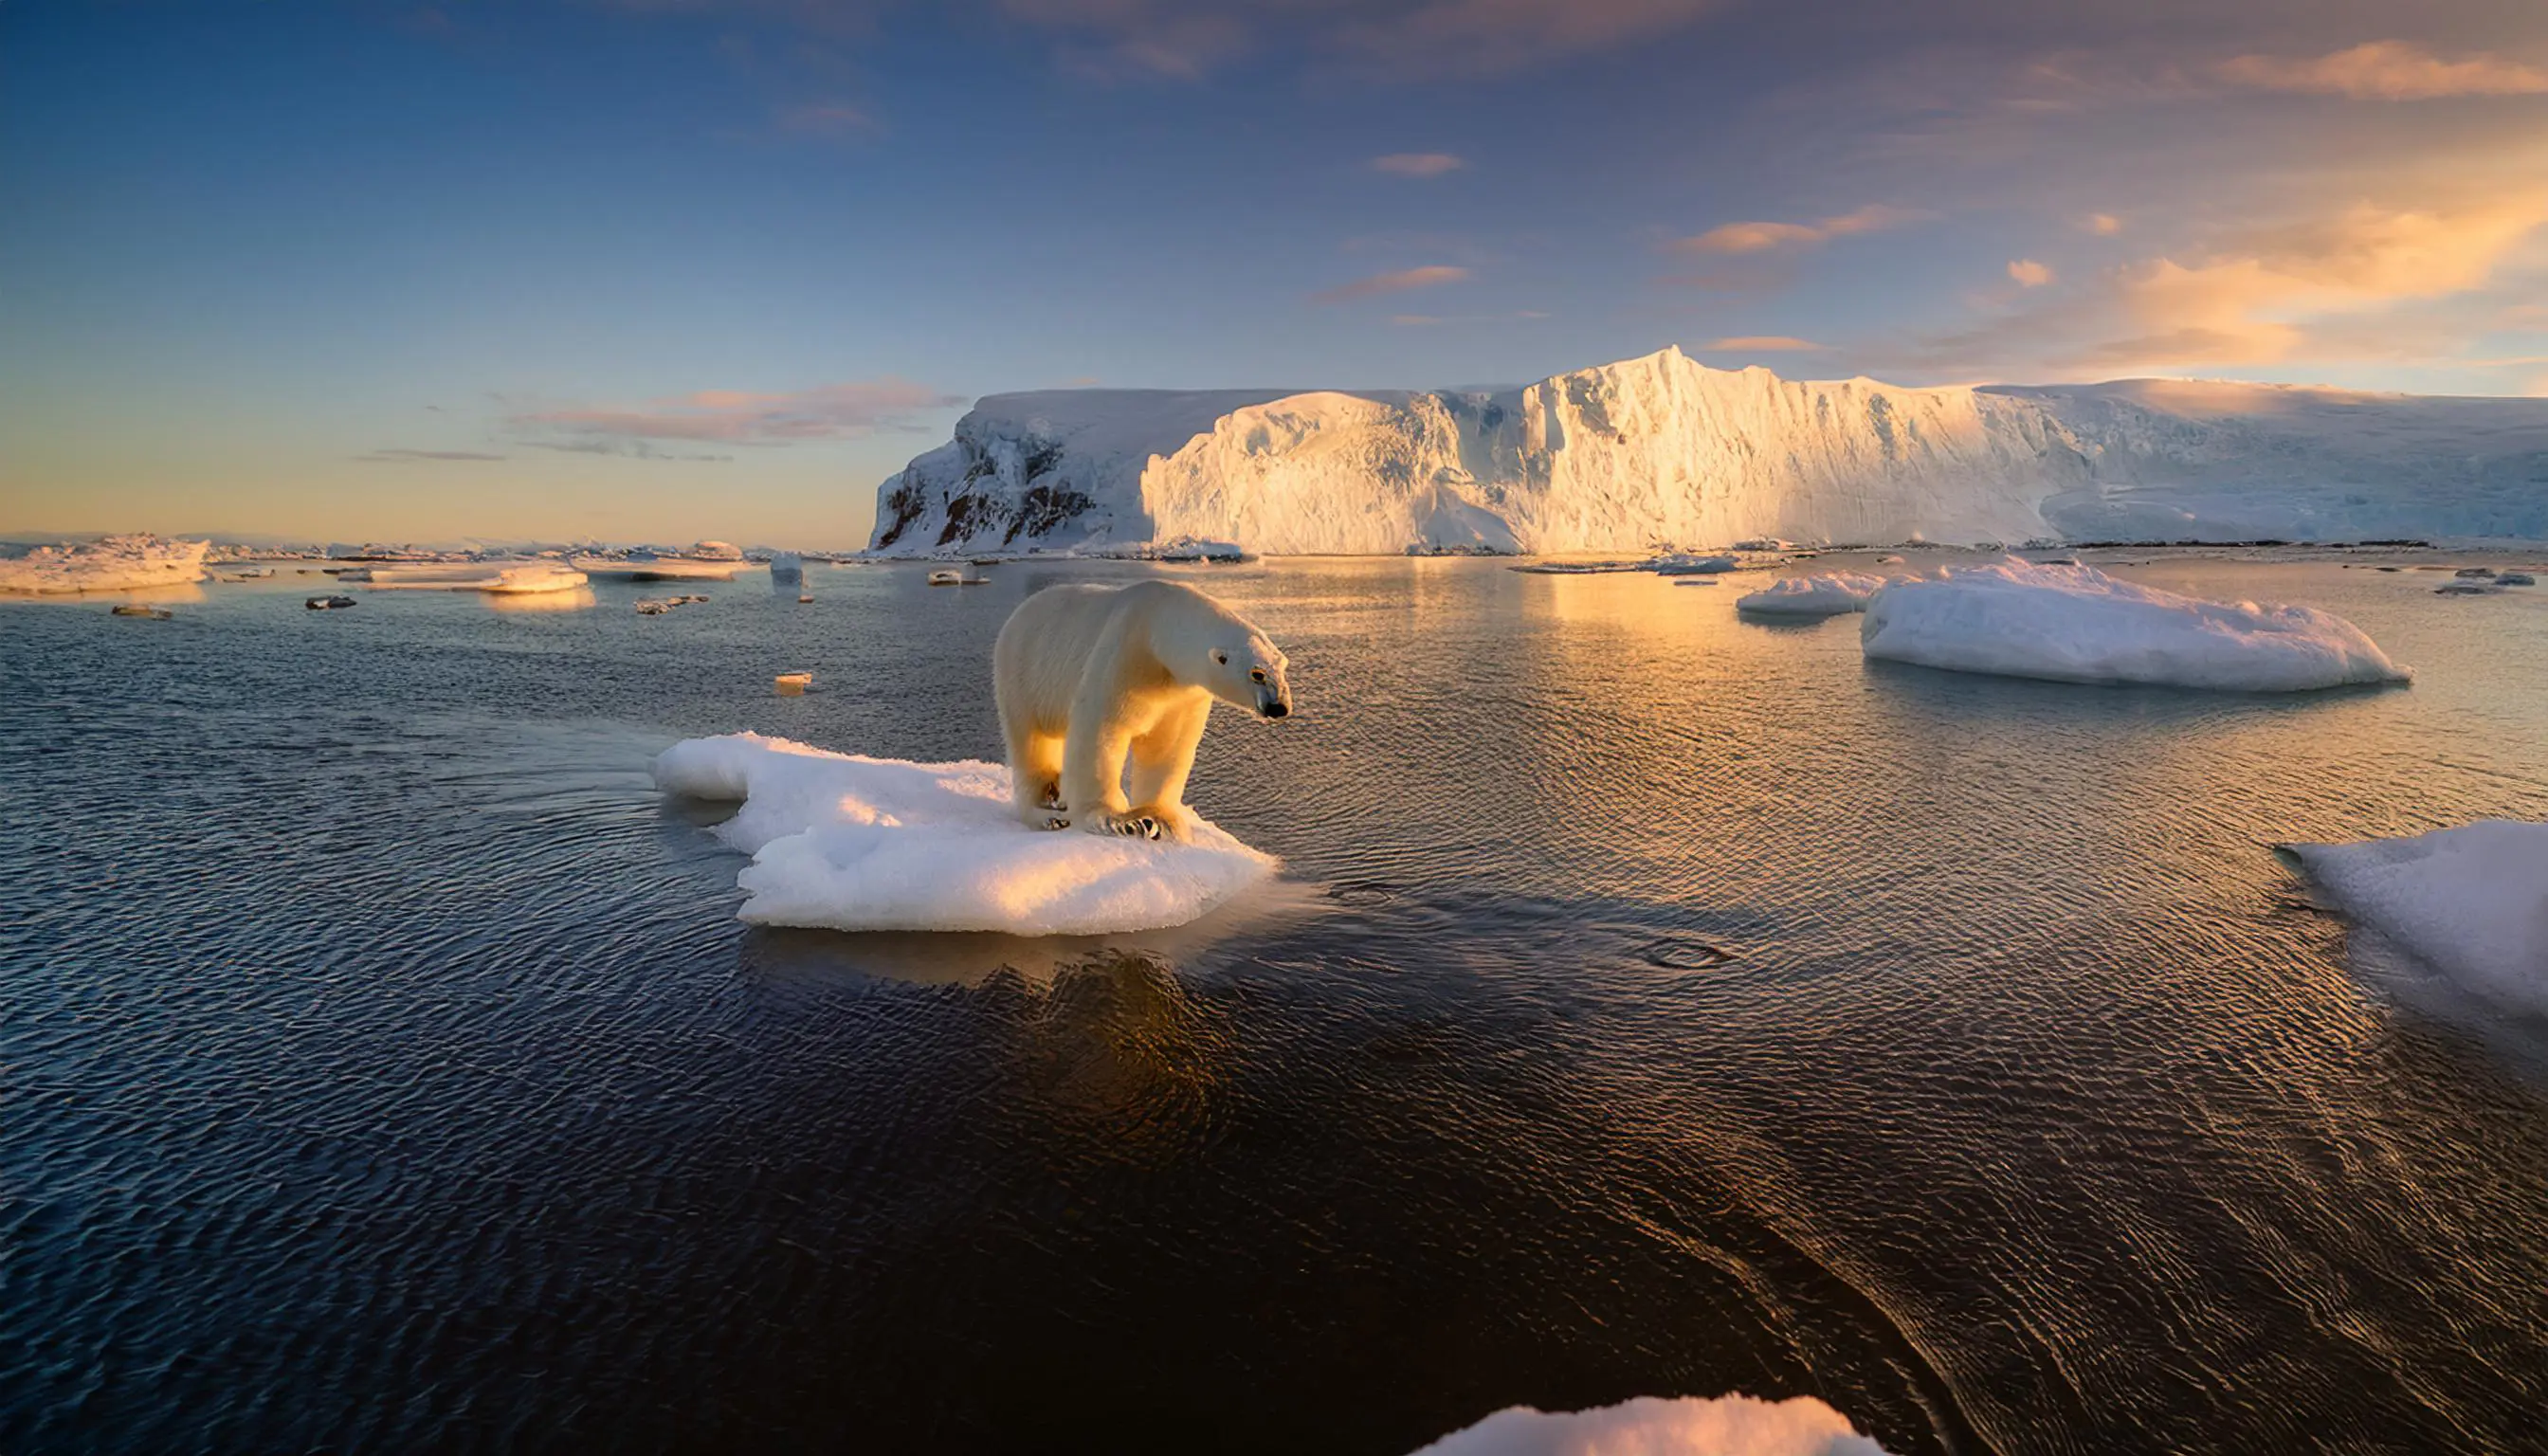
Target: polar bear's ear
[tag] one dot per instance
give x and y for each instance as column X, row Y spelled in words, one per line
column 1221, row 657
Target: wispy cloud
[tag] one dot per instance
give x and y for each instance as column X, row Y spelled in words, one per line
column 2028, row 273
column 2387, row 70
column 1432, row 275
column 407, row 455
column 2327, row 287
column 834, row 119
column 1188, row 40
column 1757, row 237
column 1417, row 163
column 743, row 417
column 2102, row 224
column 625, row 449
column 1762, row 343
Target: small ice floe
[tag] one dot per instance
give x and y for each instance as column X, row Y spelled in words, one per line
column 786, row 565
column 2467, row 588
column 328, row 603
column 1826, row 595
column 2475, row 572
column 2515, row 579
column 1696, row 582
column 502, row 577
column 1762, row 543
column 1687, row 563
column 656, row 607
column 794, row 685
column 860, row 844
column 107, row 564
column 1888, row 561
column 956, row 579
column 2076, row 624
column 2469, row 903
column 131, row 610
column 1651, row 1425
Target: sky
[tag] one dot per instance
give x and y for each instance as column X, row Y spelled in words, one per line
column 663, row 269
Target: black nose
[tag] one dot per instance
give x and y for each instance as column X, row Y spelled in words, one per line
column 1278, row 710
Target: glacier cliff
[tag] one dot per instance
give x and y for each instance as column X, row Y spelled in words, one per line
column 1663, row 450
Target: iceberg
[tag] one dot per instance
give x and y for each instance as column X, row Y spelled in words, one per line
column 1650, row 1425
column 2469, row 903
column 2076, row 624
column 857, row 844
column 1826, row 595
column 1664, row 449
column 499, row 577
column 108, row 563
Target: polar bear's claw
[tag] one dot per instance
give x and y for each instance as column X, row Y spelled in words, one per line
column 1056, row 823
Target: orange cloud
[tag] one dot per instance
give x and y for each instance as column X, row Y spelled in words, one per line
column 1432, row 275
column 1754, row 237
column 2028, row 273
column 853, row 409
column 1417, row 163
column 2104, row 224
column 2388, row 70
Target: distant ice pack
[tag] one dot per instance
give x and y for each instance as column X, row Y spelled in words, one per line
column 2076, row 624
column 857, row 844
column 2471, row 903
column 1650, row 1425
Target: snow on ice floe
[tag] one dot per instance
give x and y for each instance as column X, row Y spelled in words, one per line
column 1826, row 595
column 1650, row 1425
column 2076, row 624
column 108, row 563
column 845, row 843
column 2469, row 903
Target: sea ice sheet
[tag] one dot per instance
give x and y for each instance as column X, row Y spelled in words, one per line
column 2076, row 624
column 858, row 844
column 108, row 563
column 2471, row 903
column 1826, row 595
column 1650, row 1425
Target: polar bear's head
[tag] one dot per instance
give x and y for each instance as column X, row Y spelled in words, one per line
column 1219, row 651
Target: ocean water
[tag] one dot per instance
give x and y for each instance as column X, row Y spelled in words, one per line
column 1659, row 1003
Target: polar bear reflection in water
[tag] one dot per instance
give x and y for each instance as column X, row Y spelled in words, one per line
column 1093, row 679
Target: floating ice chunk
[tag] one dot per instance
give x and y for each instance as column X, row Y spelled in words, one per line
column 1684, row 564
column 857, row 844
column 1813, row 596
column 2471, row 903
column 2076, row 624
column 1650, row 1425
column 108, row 563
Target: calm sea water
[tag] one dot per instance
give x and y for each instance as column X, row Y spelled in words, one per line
column 382, row 1068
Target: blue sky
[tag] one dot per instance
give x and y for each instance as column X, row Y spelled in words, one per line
column 669, row 268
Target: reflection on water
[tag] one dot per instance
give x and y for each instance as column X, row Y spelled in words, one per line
column 1658, row 1003
column 572, row 600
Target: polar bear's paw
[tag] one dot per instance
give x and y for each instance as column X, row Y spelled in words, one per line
column 1133, row 824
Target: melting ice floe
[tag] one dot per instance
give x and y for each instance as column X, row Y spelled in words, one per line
column 857, row 844
column 1826, row 595
column 2471, row 903
column 1729, row 1426
column 2076, row 624
column 109, row 564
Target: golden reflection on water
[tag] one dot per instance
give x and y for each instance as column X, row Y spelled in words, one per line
column 575, row 599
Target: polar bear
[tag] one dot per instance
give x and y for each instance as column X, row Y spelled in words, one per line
column 1087, row 675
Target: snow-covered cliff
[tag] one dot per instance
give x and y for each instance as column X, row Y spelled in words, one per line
column 1663, row 450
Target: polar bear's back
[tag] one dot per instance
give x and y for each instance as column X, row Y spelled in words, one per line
column 1044, row 648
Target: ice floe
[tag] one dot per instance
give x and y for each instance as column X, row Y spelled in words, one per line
column 2076, row 624
column 2469, row 903
column 1824, row 595
column 1650, row 1425
column 858, row 844
column 108, row 563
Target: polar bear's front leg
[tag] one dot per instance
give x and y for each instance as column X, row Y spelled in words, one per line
column 1161, row 760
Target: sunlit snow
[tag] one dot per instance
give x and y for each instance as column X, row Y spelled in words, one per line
column 1649, row 1425
column 2471, row 903
column 1813, row 596
column 860, row 844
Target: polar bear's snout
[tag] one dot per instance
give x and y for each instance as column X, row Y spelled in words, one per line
column 1273, row 694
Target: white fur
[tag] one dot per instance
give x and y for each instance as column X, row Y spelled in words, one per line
column 1089, row 678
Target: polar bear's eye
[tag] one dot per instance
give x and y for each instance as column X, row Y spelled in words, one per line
column 1221, row 657
column 1257, row 675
